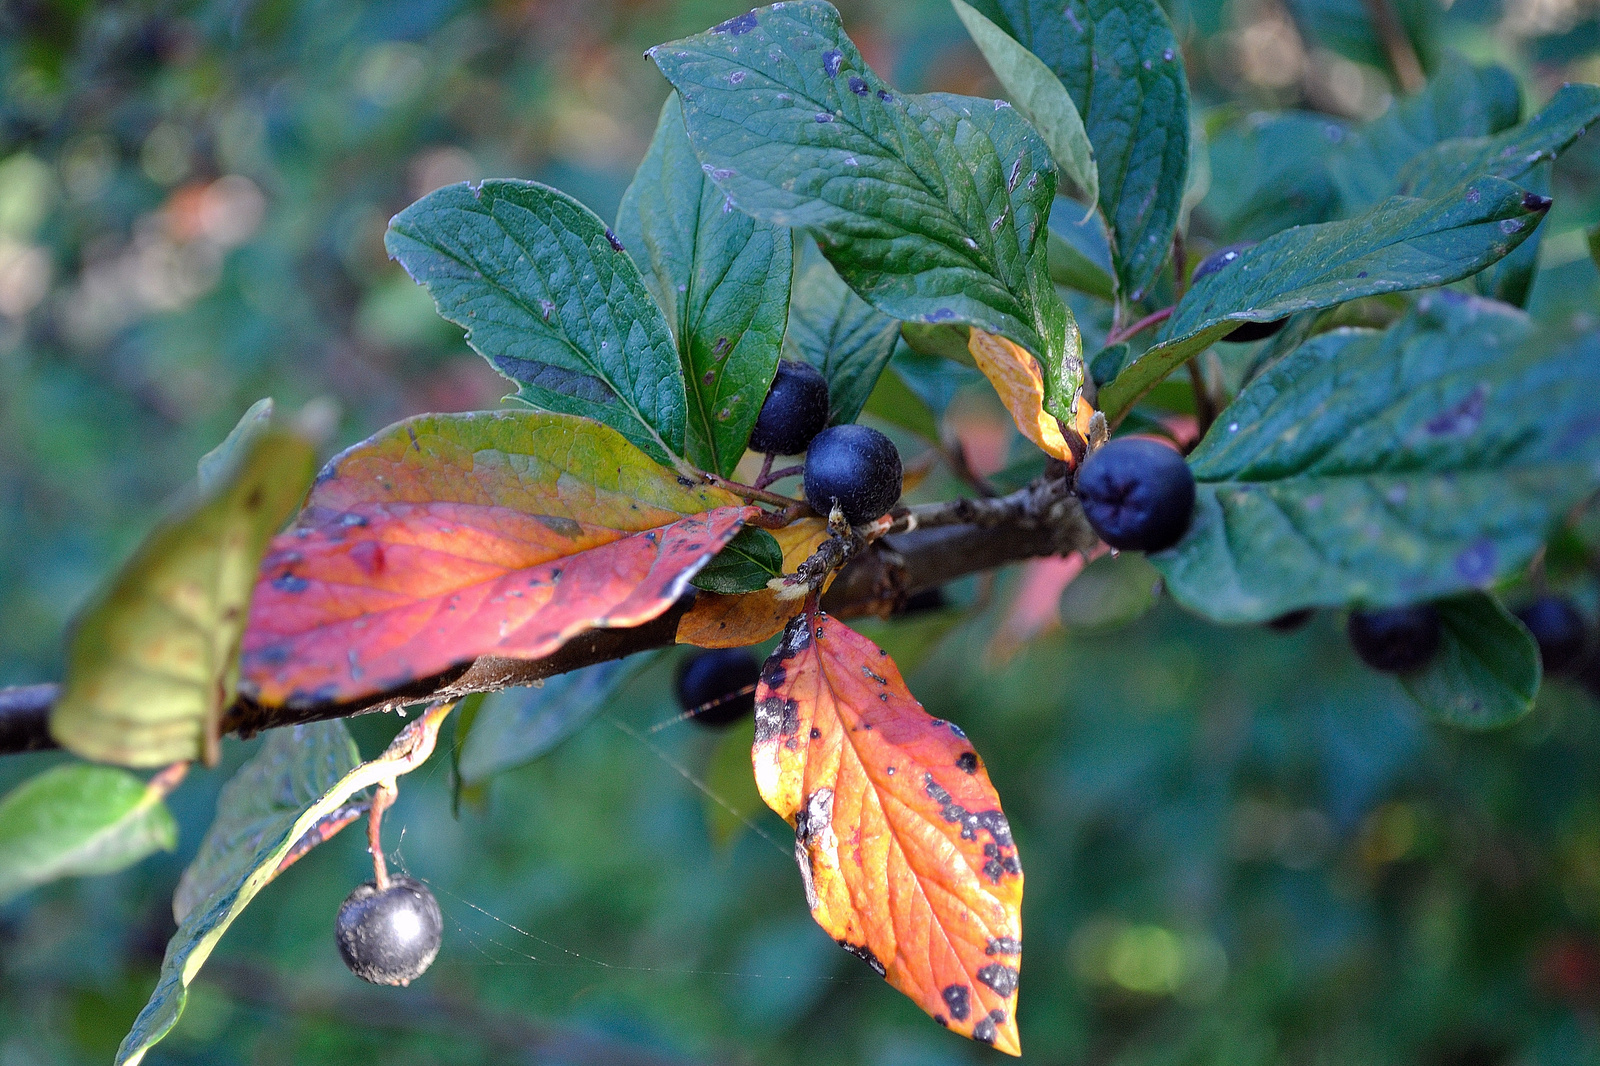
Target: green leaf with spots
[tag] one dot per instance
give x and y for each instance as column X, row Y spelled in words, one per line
column 723, row 279
column 1040, row 96
column 1378, row 468
column 1121, row 64
column 751, row 559
column 1445, row 168
column 547, row 294
column 932, row 208
column 1403, row 243
column 79, row 820
column 1486, row 671
column 154, row 659
column 840, row 334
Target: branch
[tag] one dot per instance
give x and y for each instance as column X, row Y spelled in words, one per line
column 937, row 543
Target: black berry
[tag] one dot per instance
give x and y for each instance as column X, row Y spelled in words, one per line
column 389, row 937
column 1395, row 640
column 1250, row 331
column 1290, row 621
column 796, row 409
column 1137, row 493
column 855, row 466
column 1560, row 631
column 708, row 679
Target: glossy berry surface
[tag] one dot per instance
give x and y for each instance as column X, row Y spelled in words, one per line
column 1250, row 331
column 389, row 937
column 857, row 466
column 796, row 409
column 1395, row 640
column 1559, row 629
column 1137, row 494
column 707, row 681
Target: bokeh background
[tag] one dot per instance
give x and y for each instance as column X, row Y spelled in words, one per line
column 1240, row 847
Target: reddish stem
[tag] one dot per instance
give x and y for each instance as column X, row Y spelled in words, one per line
column 1155, row 318
column 385, row 795
column 769, row 476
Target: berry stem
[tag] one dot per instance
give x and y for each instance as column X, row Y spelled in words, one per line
column 1155, row 318
column 750, row 492
column 1205, row 410
column 766, row 468
column 769, row 476
column 382, row 799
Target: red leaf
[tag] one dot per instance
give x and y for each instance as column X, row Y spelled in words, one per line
column 447, row 537
column 906, row 856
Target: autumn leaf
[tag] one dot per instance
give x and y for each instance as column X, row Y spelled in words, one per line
column 447, row 537
column 907, row 859
column 1015, row 376
column 720, row 621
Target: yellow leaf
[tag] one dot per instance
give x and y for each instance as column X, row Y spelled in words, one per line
column 1015, row 375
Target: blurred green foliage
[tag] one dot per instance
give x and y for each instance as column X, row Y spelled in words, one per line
column 1240, row 846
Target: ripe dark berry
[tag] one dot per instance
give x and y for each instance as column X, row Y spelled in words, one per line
column 1395, row 640
column 1560, row 631
column 707, row 679
column 856, row 466
column 796, row 409
column 389, row 937
column 1290, row 621
column 1137, row 493
column 1250, row 331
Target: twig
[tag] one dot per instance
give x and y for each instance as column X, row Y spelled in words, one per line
column 1155, row 318
column 750, row 492
column 769, row 476
column 1205, row 411
column 1397, row 46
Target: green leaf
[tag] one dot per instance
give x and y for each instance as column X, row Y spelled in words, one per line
column 840, row 334
column 1080, row 257
column 293, row 769
column 154, row 658
column 215, row 464
column 274, row 785
column 1593, row 238
column 1041, row 98
column 945, row 342
column 1123, row 68
column 1278, row 174
column 1378, row 468
column 722, row 278
column 737, row 802
column 1445, row 168
column 896, row 403
column 749, row 561
column 1511, row 279
column 932, row 207
column 1401, row 244
column 547, row 294
column 78, row 820
column 1486, row 671
column 516, row 726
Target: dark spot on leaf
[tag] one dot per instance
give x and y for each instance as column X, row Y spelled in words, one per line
column 560, row 525
column 352, row 520
column 1532, row 201
column 865, row 955
column 737, row 26
column 943, row 314
column 830, row 62
column 1000, row 977
column 959, row 999
column 556, row 379
column 287, row 582
column 1476, row 562
column 271, row 655
column 984, row 1032
column 968, row 762
column 942, row 1020
column 1362, row 274
column 874, row 677
column 886, row 97
column 823, row 116
column 815, row 732
column 615, row 243
column 957, row 730
column 721, row 346
column 369, row 556
column 857, row 85
column 1003, row 945
column 685, row 482
column 776, row 717
column 254, row 499
column 1461, row 419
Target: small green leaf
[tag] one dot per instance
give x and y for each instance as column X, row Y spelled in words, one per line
column 749, row 561
column 78, row 820
column 1486, row 671
column 1446, row 167
column 1122, row 65
column 1379, row 468
column 945, row 342
column 1401, row 244
column 932, row 208
column 154, row 658
column 722, row 278
column 1041, row 98
column 894, row 402
column 264, row 816
column 840, row 334
column 516, row 726
column 547, row 294
column 1278, row 171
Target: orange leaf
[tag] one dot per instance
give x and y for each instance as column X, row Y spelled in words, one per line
column 1016, row 377
column 718, row 621
column 447, row 537
column 907, row 859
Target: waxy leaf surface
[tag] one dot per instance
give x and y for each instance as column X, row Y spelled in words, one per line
column 1403, row 243
column 78, row 820
column 840, row 334
column 548, row 295
column 1486, row 671
column 277, row 805
column 749, row 561
column 906, row 857
column 932, row 208
column 722, row 278
column 1377, row 468
column 154, row 658
column 446, row 537
column 1122, row 66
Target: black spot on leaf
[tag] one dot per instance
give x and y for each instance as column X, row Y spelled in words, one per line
column 984, row 1032
column 1000, row 977
column 967, row 762
column 738, row 25
column 959, row 999
column 1003, row 945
